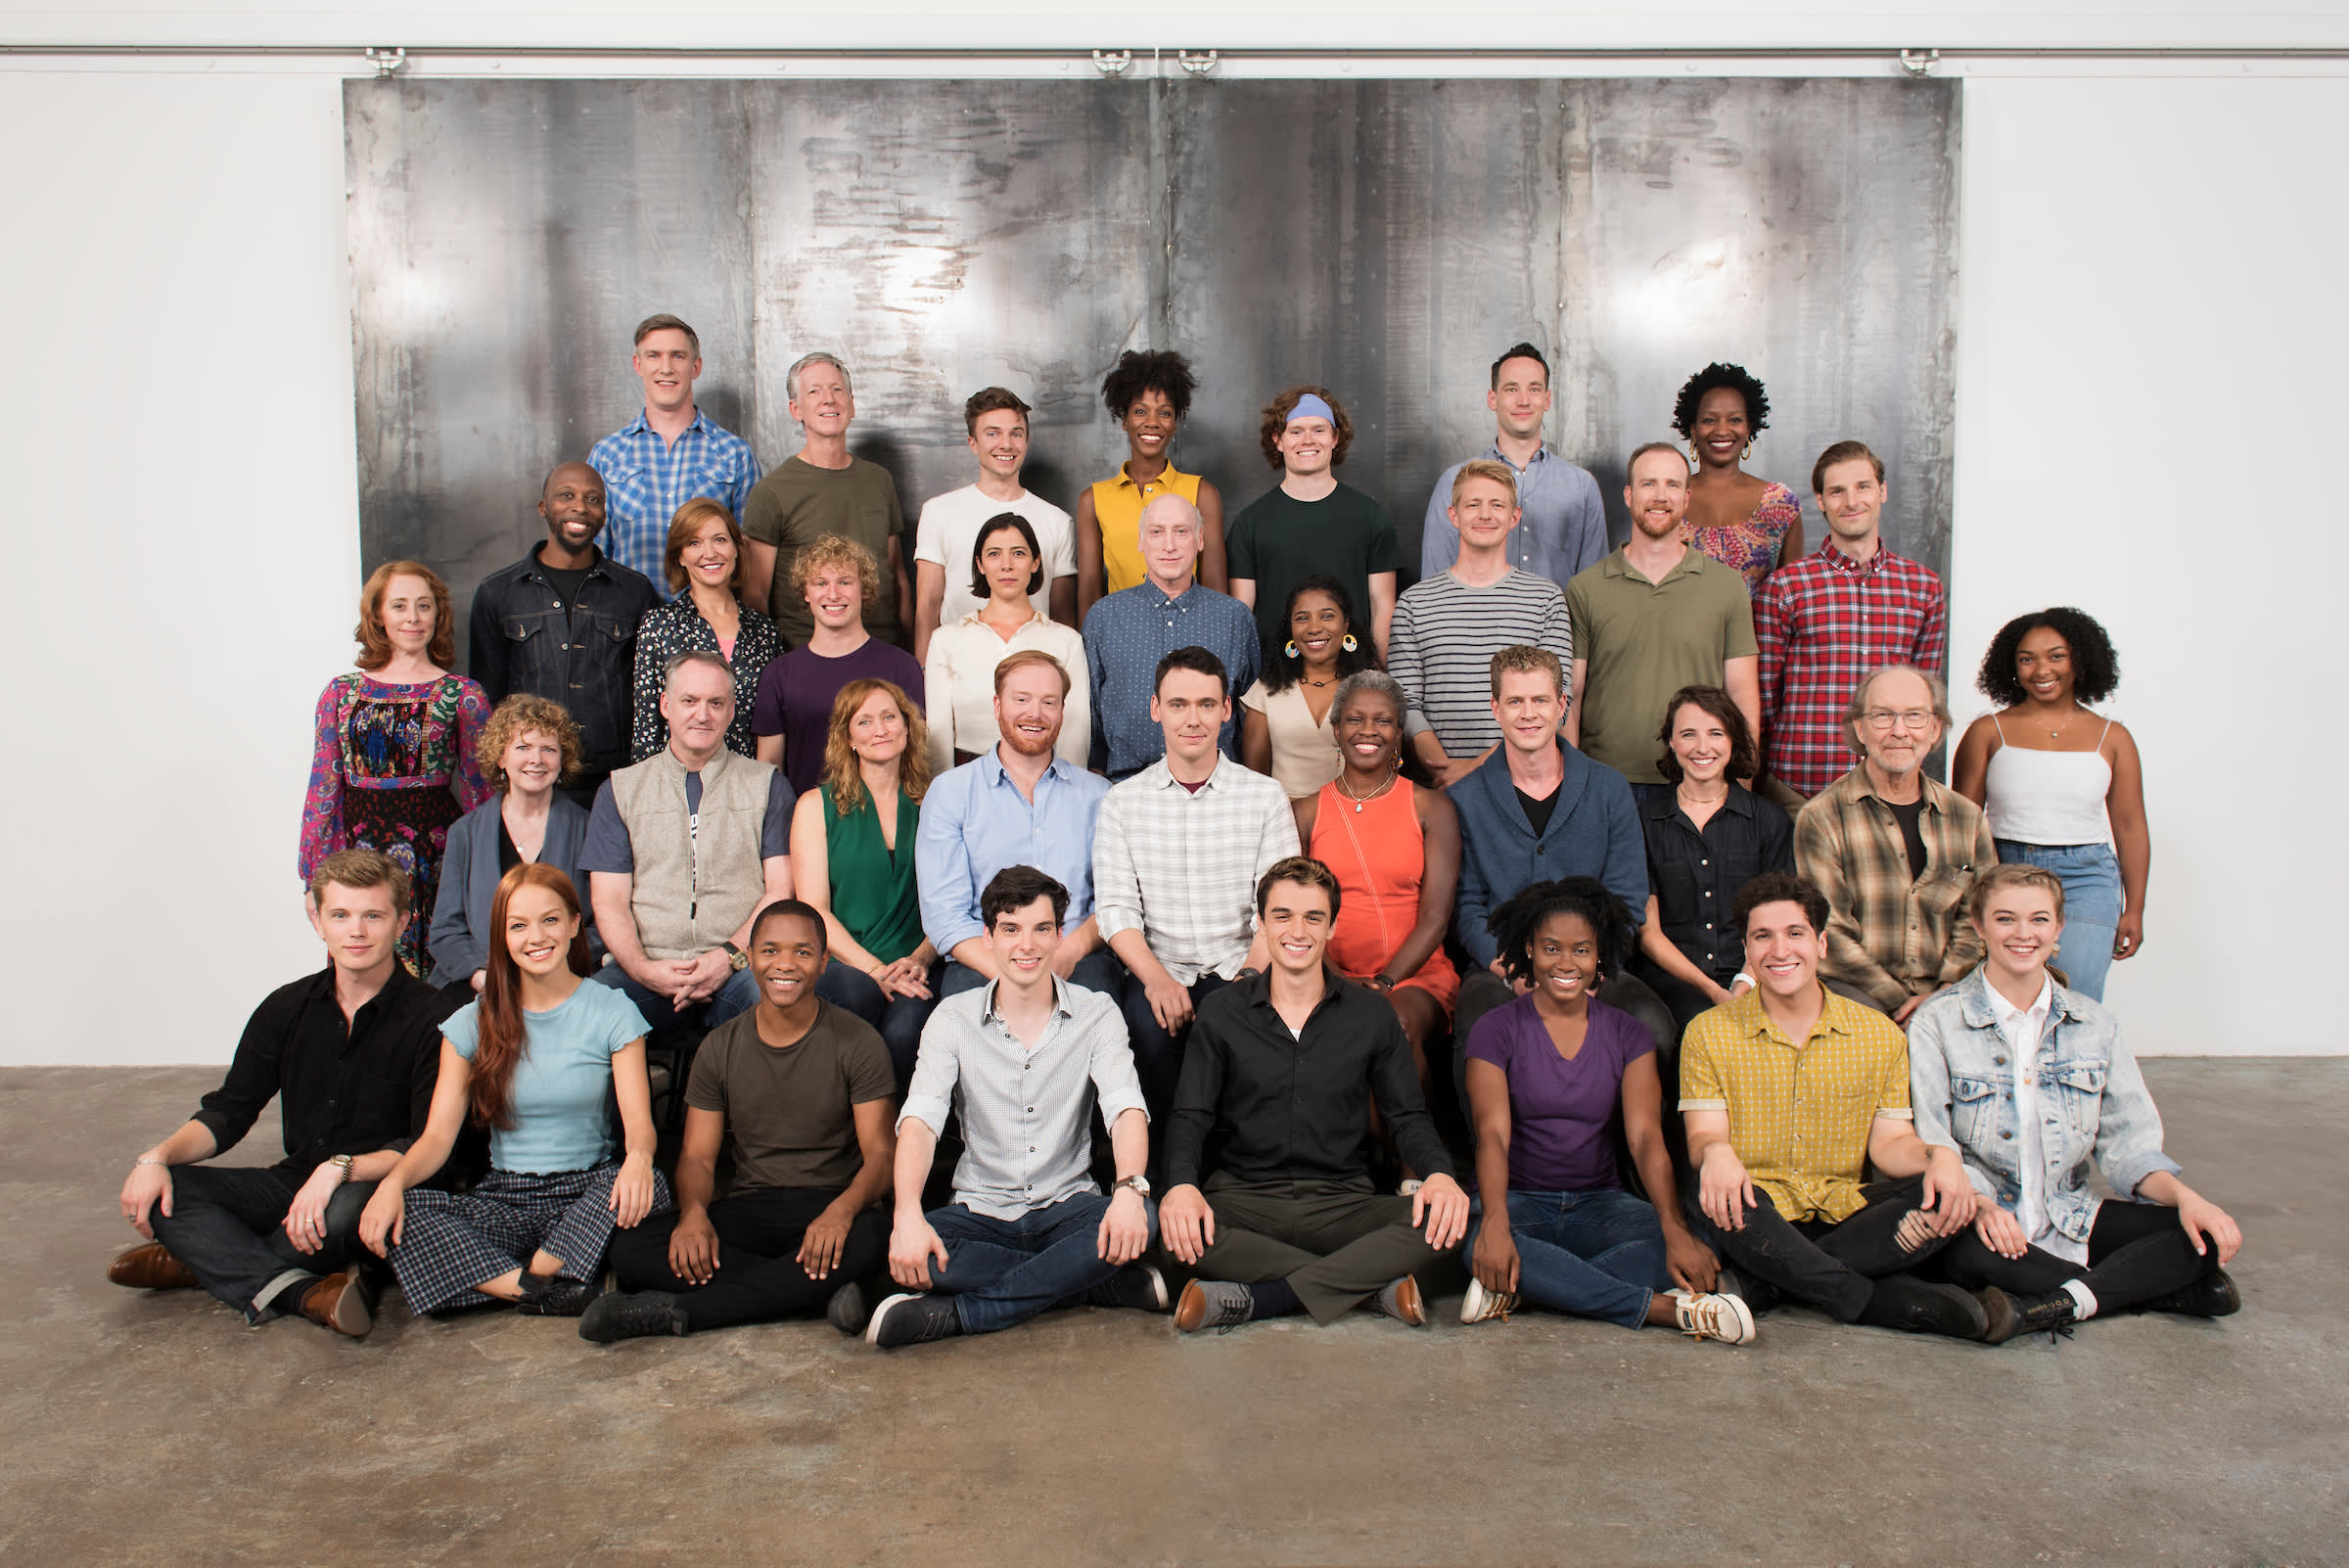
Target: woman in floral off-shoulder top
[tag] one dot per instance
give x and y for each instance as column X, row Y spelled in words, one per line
column 393, row 765
column 1751, row 526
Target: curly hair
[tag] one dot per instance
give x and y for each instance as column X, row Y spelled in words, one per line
column 1516, row 923
column 844, row 778
column 1140, row 370
column 1281, row 671
column 1277, row 420
column 1779, row 887
column 2096, row 668
column 832, row 550
column 375, row 643
column 685, row 528
column 1745, row 757
column 520, row 713
column 1717, row 374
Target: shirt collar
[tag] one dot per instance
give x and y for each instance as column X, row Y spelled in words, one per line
column 1840, row 562
column 1160, row 777
column 1166, row 476
column 639, row 426
column 1754, row 1022
column 989, row 763
column 1165, row 598
column 1060, row 1001
column 2003, row 1013
column 1663, row 805
column 1540, row 455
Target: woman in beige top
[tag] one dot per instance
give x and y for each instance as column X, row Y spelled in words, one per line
column 958, row 678
column 1284, row 726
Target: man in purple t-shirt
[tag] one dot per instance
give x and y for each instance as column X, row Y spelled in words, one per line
column 792, row 715
column 1547, row 1073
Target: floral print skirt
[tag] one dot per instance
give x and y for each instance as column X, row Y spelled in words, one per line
column 411, row 826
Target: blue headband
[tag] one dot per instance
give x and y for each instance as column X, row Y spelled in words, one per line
column 1311, row 406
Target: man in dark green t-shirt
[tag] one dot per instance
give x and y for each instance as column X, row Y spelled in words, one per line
column 1310, row 522
column 822, row 490
column 802, row 1091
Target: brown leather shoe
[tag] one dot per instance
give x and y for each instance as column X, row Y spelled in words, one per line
column 150, row 1265
column 340, row 1302
column 1402, row 1301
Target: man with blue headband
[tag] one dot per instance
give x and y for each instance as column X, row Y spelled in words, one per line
column 1310, row 522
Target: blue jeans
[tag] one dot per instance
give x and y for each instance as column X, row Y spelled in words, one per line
column 2090, row 875
column 1098, row 970
column 228, row 1226
column 899, row 1019
column 1592, row 1254
column 1004, row 1272
column 738, row 996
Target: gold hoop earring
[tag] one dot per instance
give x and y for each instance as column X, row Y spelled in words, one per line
column 1747, row 454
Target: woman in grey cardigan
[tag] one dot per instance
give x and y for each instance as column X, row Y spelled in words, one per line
column 528, row 746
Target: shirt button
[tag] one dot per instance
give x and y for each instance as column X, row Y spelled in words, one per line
column 1705, row 862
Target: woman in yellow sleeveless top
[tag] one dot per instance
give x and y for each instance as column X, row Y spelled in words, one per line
column 1148, row 394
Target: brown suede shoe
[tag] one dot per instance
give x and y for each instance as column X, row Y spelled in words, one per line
column 340, row 1302
column 150, row 1265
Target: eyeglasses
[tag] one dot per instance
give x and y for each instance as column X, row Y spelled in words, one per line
column 1881, row 718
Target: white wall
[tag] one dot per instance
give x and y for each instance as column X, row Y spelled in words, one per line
column 2148, row 332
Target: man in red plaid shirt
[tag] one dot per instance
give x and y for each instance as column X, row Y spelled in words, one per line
column 1850, row 607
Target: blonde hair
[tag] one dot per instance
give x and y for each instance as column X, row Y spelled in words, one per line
column 832, row 550
column 2014, row 876
column 518, row 716
column 1524, row 658
column 843, row 779
column 1484, row 468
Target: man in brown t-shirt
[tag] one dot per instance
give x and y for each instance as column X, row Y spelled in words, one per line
column 803, row 1088
column 822, row 490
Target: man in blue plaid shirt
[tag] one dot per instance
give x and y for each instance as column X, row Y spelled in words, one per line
column 670, row 454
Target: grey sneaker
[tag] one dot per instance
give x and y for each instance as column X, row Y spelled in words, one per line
column 1213, row 1303
column 1402, row 1301
column 1482, row 1306
column 1136, row 1285
column 618, row 1315
column 909, row 1319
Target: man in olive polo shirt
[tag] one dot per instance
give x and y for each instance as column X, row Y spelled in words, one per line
column 1651, row 617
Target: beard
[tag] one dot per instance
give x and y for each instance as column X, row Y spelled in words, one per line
column 1028, row 745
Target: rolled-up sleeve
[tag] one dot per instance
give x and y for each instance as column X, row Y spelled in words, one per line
column 1117, row 1086
column 936, row 1068
column 1117, row 886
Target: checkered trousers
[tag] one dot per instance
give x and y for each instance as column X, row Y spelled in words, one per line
column 450, row 1242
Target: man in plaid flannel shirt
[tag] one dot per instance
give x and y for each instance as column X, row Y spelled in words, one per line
column 669, row 454
column 1825, row 621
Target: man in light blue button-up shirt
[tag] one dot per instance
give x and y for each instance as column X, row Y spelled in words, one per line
column 669, row 454
column 1016, row 805
column 1565, row 521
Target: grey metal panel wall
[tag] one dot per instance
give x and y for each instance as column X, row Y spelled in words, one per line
column 1384, row 238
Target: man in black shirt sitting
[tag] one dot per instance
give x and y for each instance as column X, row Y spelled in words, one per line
column 354, row 1052
column 1290, row 1060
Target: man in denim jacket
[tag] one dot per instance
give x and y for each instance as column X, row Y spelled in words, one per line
column 2029, row 1082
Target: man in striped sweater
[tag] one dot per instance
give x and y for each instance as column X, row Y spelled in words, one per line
column 1448, row 629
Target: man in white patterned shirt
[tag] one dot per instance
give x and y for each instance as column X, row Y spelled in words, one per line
column 1177, row 850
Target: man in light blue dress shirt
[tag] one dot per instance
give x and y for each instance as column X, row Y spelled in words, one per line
column 1015, row 804
column 1565, row 521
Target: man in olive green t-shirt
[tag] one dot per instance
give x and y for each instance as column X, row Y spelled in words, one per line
column 1650, row 618
column 822, row 490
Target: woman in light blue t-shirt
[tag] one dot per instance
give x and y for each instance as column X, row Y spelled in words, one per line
column 532, row 1060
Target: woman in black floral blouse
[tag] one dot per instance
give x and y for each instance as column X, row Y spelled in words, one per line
column 705, row 558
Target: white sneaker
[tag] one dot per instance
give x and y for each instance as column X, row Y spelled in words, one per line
column 1482, row 1306
column 1713, row 1316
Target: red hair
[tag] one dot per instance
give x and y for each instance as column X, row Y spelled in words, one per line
column 503, row 1036
column 375, row 644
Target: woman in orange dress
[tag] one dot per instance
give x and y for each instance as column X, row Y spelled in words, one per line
column 1395, row 848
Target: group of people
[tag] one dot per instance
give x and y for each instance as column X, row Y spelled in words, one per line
column 1227, row 867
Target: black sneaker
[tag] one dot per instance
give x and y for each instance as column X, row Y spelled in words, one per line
column 553, row 1296
column 641, row 1315
column 2009, row 1316
column 847, row 1310
column 1921, row 1306
column 910, row 1320
column 2212, row 1296
column 1136, row 1285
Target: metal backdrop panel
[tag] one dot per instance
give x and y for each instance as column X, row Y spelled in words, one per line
column 1385, row 238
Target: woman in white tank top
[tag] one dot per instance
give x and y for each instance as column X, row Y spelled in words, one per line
column 2060, row 785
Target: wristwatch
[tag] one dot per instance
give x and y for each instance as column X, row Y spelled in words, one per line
column 342, row 1164
column 1139, row 1185
column 736, row 959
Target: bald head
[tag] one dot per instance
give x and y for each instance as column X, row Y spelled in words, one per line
column 572, row 500
column 1171, row 536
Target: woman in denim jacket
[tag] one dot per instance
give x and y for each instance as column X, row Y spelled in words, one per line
column 2045, row 1250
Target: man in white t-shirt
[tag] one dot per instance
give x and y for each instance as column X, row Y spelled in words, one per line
column 949, row 525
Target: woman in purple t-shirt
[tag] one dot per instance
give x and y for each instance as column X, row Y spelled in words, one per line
column 1547, row 1075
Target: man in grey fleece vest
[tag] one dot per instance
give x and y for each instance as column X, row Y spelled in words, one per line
column 682, row 852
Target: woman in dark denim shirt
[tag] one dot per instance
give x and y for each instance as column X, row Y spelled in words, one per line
column 1707, row 836
column 2030, row 1082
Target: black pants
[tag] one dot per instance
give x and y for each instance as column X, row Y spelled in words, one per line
column 1157, row 1054
column 2136, row 1251
column 228, row 1224
column 1679, row 998
column 1827, row 1265
column 759, row 1274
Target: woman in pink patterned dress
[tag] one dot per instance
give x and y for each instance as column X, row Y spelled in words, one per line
column 393, row 766
column 1751, row 526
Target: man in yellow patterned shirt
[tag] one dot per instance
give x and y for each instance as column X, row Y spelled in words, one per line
column 1789, row 1093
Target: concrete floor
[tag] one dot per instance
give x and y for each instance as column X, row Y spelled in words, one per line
column 156, row 1429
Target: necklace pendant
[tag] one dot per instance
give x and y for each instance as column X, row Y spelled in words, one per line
column 1358, row 807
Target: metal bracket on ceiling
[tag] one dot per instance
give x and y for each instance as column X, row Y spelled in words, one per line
column 1197, row 63
column 387, row 62
column 1920, row 63
column 1112, row 62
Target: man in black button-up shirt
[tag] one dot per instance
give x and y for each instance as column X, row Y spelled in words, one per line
column 1291, row 1061
column 353, row 1053
column 562, row 623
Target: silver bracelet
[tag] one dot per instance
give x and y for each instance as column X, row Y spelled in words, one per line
column 148, row 1159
